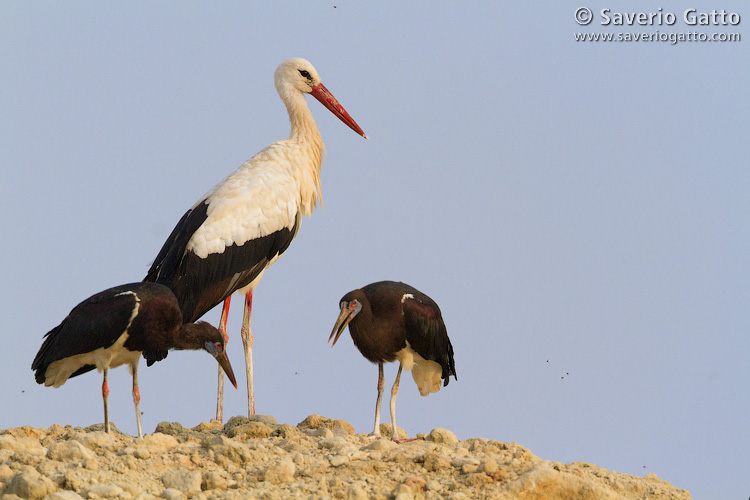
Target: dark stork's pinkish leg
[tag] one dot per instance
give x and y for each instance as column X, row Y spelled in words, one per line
column 223, row 331
column 394, row 392
column 105, row 397
column 381, row 385
column 137, row 399
column 247, row 342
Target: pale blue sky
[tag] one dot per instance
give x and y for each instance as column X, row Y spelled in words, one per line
column 579, row 211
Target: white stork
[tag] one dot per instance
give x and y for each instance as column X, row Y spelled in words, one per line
column 225, row 242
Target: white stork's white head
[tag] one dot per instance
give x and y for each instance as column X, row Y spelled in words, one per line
column 296, row 73
column 295, row 77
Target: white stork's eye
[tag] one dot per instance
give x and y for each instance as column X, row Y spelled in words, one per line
column 304, row 73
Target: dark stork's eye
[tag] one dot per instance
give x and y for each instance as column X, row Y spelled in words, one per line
column 219, row 347
column 353, row 304
column 304, row 73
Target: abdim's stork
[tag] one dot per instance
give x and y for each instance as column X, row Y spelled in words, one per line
column 390, row 321
column 224, row 243
column 114, row 328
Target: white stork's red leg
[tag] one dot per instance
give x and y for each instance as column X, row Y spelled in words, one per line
column 394, row 392
column 137, row 399
column 381, row 386
column 223, row 331
column 247, row 342
column 105, row 396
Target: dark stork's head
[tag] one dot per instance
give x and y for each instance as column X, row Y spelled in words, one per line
column 214, row 344
column 350, row 307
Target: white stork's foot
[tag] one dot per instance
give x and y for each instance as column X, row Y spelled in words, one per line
column 373, row 436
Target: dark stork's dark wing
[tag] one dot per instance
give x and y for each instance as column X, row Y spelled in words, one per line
column 95, row 323
column 426, row 333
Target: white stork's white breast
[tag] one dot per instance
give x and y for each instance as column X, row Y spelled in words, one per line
column 261, row 197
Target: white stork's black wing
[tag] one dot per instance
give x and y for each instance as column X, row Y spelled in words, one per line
column 201, row 283
column 94, row 323
column 165, row 268
column 426, row 333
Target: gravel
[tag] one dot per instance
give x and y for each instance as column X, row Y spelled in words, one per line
column 320, row 458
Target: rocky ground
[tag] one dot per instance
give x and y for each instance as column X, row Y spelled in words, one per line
column 319, row 458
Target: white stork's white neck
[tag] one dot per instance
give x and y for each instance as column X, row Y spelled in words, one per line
column 305, row 136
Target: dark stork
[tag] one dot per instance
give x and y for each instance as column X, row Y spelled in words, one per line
column 390, row 321
column 114, row 328
column 225, row 242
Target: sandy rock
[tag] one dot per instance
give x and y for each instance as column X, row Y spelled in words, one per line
column 320, row 432
column 337, row 460
column 228, row 450
column 142, row 453
column 30, row 484
column 286, row 431
column 29, row 456
column 466, row 464
column 415, row 483
column 64, row 495
column 76, row 479
column 269, row 420
column 235, row 421
column 283, row 472
column 316, row 421
column 214, row 480
column 213, row 425
column 559, row 486
column 173, row 494
column 386, row 431
column 8, row 442
column 489, row 466
column 69, row 451
column 28, row 431
column 442, row 436
column 434, row 461
column 104, row 491
column 5, row 473
column 148, row 496
column 381, row 445
column 402, row 492
column 433, row 485
column 334, row 443
column 159, row 442
column 459, row 495
column 356, row 492
column 186, row 481
column 250, row 430
column 98, row 440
